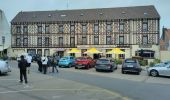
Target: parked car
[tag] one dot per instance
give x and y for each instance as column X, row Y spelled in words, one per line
column 4, row 67
column 159, row 69
column 105, row 64
column 131, row 65
column 67, row 61
column 84, row 62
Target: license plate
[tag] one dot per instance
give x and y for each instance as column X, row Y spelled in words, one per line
column 129, row 65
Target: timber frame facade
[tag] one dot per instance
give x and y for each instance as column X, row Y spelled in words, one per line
column 129, row 34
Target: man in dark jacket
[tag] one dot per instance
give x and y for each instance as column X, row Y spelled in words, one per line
column 22, row 64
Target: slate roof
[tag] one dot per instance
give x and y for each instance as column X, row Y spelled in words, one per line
column 88, row 14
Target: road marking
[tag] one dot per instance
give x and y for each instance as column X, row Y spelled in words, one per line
column 92, row 90
column 8, row 79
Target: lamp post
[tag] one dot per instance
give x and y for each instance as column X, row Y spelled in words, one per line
column 3, row 42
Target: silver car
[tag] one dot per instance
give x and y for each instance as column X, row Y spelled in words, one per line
column 4, row 67
column 159, row 69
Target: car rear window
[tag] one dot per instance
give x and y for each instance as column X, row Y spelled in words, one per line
column 81, row 58
column 103, row 61
column 64, row 58
column 130, row 61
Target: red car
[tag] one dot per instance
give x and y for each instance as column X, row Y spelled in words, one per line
column 84, row 62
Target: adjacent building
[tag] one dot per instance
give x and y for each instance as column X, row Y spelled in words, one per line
column 165, row 45
column 5, row 34
column 133, row 29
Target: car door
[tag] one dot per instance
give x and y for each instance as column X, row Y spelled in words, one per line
column 167, row 71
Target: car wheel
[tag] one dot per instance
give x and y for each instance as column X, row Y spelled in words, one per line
column 88, row 66
column 154, row 73
column 0, row 73
column 69, row 66
column 76, row 67
column 123, row 72
column 59, row 66
column 138, row 73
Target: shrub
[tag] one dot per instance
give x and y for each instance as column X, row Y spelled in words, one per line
column 151, row 64
column 118, row 61
column 143, row 62
column 156, row 61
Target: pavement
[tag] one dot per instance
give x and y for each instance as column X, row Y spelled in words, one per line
column 46, row 87
column 143, row 77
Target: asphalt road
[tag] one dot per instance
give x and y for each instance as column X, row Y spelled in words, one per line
column 136, row 90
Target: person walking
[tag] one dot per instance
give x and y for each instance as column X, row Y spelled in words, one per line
column 22, row 64
column 39, row 63
column 29, row 60
column 44, row 61
column 54, row 64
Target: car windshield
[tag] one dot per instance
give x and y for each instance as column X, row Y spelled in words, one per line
column 103, row 61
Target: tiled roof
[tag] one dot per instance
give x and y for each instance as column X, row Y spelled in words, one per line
column 88, row 14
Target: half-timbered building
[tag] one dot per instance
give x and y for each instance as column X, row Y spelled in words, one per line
column 132, row 29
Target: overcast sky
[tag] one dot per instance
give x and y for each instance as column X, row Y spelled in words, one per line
column 12, row 7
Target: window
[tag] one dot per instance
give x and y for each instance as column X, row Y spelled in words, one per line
column 47, row 52
column 60, row 41
column 25, row 29
column 72, row 41
column 25, row 41
column 18, row 41
column 84, row 40
column 108, row 28
column 18, row 29
column 145, row 40
column 72, row 28
column 108, row 40
column 145, row 26
column 61, row 28
column 39, row 29
column 47, row 30
column 96, row 40
column 46, row 41
column 121, row 39
column 84, row 28
column 39, row 52
column 108, row 55
column 72, row 54
column 39, row 42
column 122, row 56
column 145, row 53
column 82, row 52
column 96, row 28
column 121, row 27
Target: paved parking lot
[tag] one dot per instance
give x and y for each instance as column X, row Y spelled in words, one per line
column 45, row 87
column 143, row 77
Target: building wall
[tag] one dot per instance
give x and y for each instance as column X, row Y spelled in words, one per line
column 132, row 36
column 165, row 55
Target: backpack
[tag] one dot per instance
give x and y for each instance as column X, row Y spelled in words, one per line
column 23, row 64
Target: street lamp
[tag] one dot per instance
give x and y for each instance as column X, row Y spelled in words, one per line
column 3, row 42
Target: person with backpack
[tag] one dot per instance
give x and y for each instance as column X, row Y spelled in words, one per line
column 22, row 65
column 54, row 64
